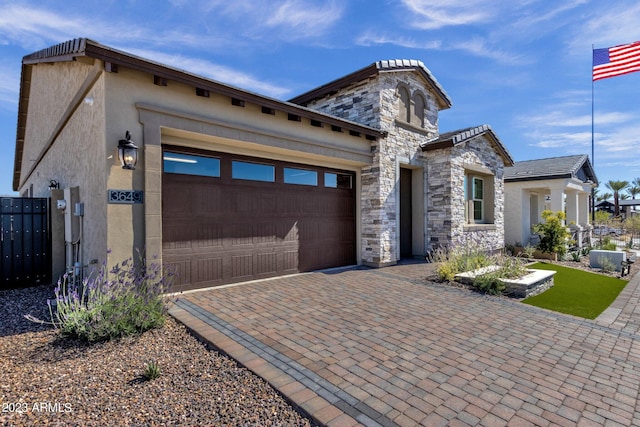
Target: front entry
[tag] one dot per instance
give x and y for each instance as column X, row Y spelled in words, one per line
column 406, row 214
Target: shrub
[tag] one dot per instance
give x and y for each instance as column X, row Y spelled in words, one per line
column 528, row 251
column 606, row 264
column 459, row 260
column 151, row 370
column 125, row 300
column 607, row 245
column 509, row 268
column 490, row 283
column 554, row 236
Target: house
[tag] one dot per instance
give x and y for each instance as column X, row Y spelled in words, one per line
column 558, row 184
column 231, row 185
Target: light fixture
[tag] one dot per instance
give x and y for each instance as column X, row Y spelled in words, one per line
column 127, row 152
column 53, row 185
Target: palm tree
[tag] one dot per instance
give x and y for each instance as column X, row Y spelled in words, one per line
column 616, row 187
column 603, row 197
column 633, row 191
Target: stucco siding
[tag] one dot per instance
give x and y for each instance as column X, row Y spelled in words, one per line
column 176, row 115
column 76, row 157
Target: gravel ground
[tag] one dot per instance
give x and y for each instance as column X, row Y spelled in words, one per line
column 46, row 380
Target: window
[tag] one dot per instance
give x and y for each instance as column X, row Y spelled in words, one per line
column 300, row 176
column 419, row 104
column 337, row 180
column 189, row 164
column 479, row 198
column 404, row 105
column 252, row 171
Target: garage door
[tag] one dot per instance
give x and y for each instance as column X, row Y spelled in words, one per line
column 230, row 218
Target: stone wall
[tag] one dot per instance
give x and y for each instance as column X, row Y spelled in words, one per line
column 375, row 103
column 446, row 204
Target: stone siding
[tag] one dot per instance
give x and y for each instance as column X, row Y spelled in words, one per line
column 446, row 213
column 375, row 103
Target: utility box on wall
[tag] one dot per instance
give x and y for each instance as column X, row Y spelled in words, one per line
column 58, row 256
column 71, row 221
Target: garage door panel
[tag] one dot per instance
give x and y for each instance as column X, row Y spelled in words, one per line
column 208, row 269
column 223, row 230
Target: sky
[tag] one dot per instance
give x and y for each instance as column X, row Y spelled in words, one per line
column 524, row 67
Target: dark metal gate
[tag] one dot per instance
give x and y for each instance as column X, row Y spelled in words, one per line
column 24, row 242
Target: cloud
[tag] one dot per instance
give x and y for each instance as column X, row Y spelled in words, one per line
column 574, row 141
column 608, row 24
column 9, row 87
column 478, row 46
column 305, row 19
column 372, row 39
column 285, row 19
column 436, row 14
column 560, row 118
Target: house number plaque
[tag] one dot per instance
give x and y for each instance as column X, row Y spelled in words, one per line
column 126, row 197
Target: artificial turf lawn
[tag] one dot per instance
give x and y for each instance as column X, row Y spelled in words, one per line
column 577, row 292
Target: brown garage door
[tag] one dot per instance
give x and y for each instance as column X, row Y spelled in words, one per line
column 232, row 218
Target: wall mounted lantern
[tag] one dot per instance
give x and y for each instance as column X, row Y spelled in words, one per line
column 127, row 152
column 53, row 185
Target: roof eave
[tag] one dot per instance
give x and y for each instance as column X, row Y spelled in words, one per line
column 538, row 178
column 86, row 48
column 450, row 142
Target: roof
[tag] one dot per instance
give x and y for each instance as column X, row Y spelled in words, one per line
column 450, row 139
column 577, row 166
column 393, row 65
column 621, row 202
column 83, row 47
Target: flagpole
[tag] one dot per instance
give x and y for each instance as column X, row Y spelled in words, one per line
column 593, row 161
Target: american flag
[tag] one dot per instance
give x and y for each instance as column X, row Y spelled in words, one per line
column 615, row 61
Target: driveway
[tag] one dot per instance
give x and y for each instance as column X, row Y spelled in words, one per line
column 386, row 347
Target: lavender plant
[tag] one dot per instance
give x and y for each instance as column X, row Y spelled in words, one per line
column 125, row 300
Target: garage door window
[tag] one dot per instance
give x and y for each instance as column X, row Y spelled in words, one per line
column 189, row 164
column 337, row 180
column 300, row 176
column 253, row 171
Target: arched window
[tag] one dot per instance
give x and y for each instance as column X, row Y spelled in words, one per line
column 417, row 118
column 404, row 107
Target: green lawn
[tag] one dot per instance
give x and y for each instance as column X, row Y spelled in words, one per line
column 577, row 292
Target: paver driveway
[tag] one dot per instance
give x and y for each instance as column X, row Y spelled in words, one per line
column 386, row 347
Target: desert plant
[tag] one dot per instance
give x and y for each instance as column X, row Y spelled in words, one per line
column 528, row 251
column 606, row 264
column 151, row 370
column 124, row 300
column 607, row 245
column 576, row 255
column 554, row 236
column 490, row 283
column 461, row 259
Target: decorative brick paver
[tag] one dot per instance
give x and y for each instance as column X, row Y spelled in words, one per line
column 386, row 347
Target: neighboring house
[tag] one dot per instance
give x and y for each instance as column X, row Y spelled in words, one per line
column 606, row 206
column 627, row 207
column 558, row 184
column 232, row 186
